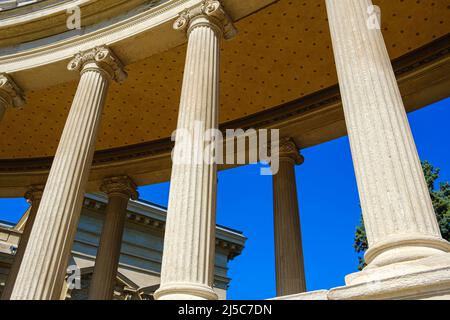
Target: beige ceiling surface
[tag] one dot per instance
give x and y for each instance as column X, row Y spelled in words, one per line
column 281, row 53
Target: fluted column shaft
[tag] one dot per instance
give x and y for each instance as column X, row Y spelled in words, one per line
column 44, row 264
column 119, row 191
column 189, row 246
column 33, row 196
column 398, row 214
column 188, row 264
column 289, row 265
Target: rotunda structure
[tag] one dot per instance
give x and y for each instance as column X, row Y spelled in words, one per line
column 91, row 92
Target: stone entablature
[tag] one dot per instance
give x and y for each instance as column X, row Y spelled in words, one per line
column 152, row 216
column 153, row 158
column 149, row 23
column 47, row 19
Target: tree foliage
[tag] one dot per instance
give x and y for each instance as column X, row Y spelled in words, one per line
column 440, row 198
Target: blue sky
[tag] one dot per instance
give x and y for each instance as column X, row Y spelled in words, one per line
column 329, row 208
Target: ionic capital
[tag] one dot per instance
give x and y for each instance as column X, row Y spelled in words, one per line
column 121, row 185
column 288, row 149
column 214, row 16
column 34, row 193
column 101, row 57
column 10, row 92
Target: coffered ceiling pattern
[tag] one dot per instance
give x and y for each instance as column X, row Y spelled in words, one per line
column 282, row 53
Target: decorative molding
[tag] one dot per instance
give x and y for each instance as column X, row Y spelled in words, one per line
column 233, row 249
column 104, row 58
column 216, row 15
column 409, row 64
column 34, row 193
column 61, row 50
column 288, row 149
column 10, row 91
column 13, row 4
column 122, row 185
column 159, row 225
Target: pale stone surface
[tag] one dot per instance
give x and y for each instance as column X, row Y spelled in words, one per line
column 400, row 222
column 10, row 94
column 427, row 278
column 43, row 268
column 290, row 271
column 119, row 191
column 312, row 295
column 188, row 258
column 34, row 196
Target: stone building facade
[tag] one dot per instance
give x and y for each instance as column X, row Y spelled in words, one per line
column 139, row 269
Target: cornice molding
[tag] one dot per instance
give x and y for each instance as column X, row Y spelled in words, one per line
column 149, row 23
column 233, row 249
column 34, row 11
column 66, row 49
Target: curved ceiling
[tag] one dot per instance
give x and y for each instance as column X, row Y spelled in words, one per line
column 282, row 53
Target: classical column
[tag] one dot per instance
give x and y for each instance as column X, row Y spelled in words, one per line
column 189, row 245
column 10, row 94
column 33, row 196
column 44, row 264
column 290, row 271
column 400, row 221
column 119, row 191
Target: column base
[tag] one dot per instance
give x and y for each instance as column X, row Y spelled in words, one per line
column 404, row 248
column 427, row 278
column 372, row 276
column 185, row 291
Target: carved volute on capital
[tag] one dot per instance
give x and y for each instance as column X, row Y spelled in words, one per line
column 104, row 58
column 10, row 92
column 34, row 193
column 216, row 17
column 122, row 185
column 288, row 149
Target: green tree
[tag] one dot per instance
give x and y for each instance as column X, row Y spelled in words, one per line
column 441, row 203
